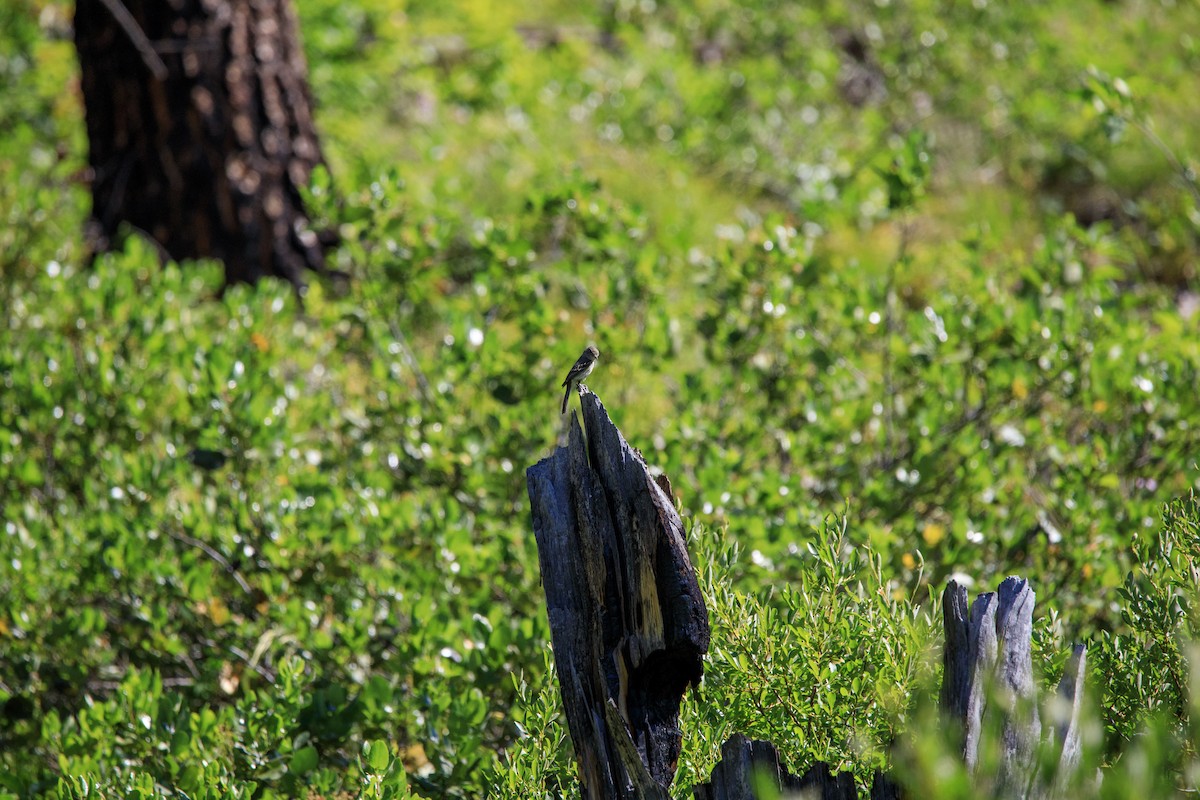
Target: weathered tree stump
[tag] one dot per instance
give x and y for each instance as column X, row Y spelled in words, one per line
column 988, row 662
column 746, row 765
column 627, row 619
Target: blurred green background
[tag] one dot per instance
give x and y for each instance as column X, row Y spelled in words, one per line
column 893, row 292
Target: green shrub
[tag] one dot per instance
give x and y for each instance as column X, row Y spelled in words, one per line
column 300, row 537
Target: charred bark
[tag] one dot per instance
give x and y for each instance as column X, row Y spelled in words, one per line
column 200, row 131
column 628, row 623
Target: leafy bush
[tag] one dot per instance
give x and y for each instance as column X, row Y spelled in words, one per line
column 1149, row 662
column 825, row 668
column 836, row 264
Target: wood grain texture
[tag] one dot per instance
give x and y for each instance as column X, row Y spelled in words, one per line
column 627, row 619
column 988, row 686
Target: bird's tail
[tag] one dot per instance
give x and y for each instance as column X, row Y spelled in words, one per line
column 566, row 397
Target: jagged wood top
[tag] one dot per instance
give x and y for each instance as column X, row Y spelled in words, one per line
column 627, row 618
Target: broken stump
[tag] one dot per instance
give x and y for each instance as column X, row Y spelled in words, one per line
column 627, row 619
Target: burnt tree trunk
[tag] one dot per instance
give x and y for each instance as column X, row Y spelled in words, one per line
column 747, row 765
column 200, row 131
column 627, row 619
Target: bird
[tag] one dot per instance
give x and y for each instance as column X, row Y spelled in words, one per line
column 583, row 367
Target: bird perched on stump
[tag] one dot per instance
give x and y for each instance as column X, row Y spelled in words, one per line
column 583, row 367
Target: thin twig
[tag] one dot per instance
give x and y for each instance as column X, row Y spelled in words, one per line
column 410, row 361
column 889, row 328
column 1185, row 172
column 97, row 686
column 215, row 555
column 137, row 37
column 409, row 357
column 266, row 673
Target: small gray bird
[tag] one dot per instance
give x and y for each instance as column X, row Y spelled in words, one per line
column 583, row 367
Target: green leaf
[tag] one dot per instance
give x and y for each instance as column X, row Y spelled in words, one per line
column 379, row 757
column 303, row 760
column 30, row 473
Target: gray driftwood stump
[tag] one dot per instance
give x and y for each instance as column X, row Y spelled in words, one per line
column 627, row 620
column 991, row 647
